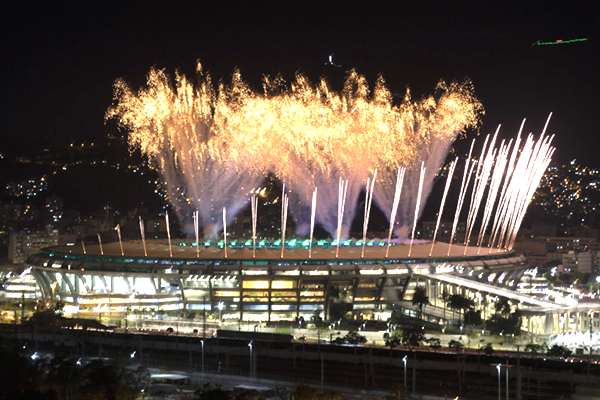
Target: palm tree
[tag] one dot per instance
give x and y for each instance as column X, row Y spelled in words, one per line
column 460, row 303
column 503, row 306
column 420, row 299
column 445, row 297
column 392, row 340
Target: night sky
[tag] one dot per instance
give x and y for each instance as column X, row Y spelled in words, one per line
column 59, row 60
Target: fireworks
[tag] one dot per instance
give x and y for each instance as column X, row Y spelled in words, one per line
column 212, row 144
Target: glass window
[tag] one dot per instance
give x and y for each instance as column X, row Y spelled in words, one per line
column 255, row 284
column 283, row 285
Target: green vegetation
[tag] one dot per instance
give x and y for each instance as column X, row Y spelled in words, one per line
column 533, row 348
column 559, row 352
column 488, row 349
column 505, row 322
column 434, row 343
column 457, row 302
column 456, row 345
column 420, row 299
column 22, row 377
column 305, row 392
column 412, row 337
column 351, row 337
column 399, row 392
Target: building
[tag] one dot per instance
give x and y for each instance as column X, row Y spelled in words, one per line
column 24, row 244
column 541, row 251
column 260, row 285
column 581, row 262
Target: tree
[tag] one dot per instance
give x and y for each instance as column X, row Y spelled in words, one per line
column 549, row 277
column 533, row 348
column 434, row 343
column 566, row 278
column 412, row 337
column 488, row 349
column 100, row 380
column 354, row 337
column 420, row 299
column 460, row 303
column 473, row 317
column 456, row 345
column 330, row 396
column 445, row 297
column 305, row 392
column 213, row 393
column 506, row 325
column 502, row 306
column 392, row 340
column 399, row 392
column 317, row 318
column 338, row 309
column 559, row 352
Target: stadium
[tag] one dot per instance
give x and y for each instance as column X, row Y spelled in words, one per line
column 268, row 284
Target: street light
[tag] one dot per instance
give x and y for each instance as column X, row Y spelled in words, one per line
column 499, row 384
column 404, row 359
column 251, row 370
column 202, row 341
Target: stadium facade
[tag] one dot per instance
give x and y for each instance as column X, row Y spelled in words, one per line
column 267, row 284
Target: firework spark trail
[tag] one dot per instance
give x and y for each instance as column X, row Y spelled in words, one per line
column 195, row 217
column 500, row 209
column 432, row 125
column 118, row 229
column 100, row 244
column 418, row 203
column 210, row 144
column 143, row 234
column 488, row 162
column 540, row 168
column 254, row 209
column 168, row 233
column 536, row 166
column 499, row 168
column 517, row 187
column 463, row 189
column 479, row 184
column 476, row 180
column 397, row 193
column 368, row 200
column 443, row 202
column 225, row 231
column 83, row 246
column 536, row 154
column 529, row 168
column 342, row 190
column 312, row 221
column 179, row 128
column 284, row 215
column 513, row 190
